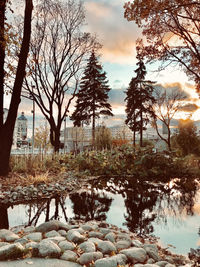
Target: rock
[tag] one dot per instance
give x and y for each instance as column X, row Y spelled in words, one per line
column 62, row 233
column 56, row 239
column 150, row 261
column 152, row 251
column 162, row 263
column 150, row 265
column 122, row 244
column 111, row 237
column 66, row 245
column 135, row 255
column 29, row 229
column 8, row 235
column 124, row 237
column 113, row 261
column 52, row 225
column 22, row 240
column 104, row 231
column 87, row 246
column 48, row 248
column 52, row 233
column 33, row 246
column 94, row 240
column 4, row 244
column 11, row 251
column 37, row 236
column 88, row 257
column 106, row 247
column 74, row 236
column 69, row 255
column 95, row 234
column 170, row 265
column 88, row 227
column 137, row 243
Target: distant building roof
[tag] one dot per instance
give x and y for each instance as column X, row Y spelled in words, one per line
column 22, row 117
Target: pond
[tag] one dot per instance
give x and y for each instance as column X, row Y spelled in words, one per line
column 169, row 211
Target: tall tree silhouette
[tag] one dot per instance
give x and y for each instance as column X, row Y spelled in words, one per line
column 7, row 127
column 92, row 98
column 139, row 101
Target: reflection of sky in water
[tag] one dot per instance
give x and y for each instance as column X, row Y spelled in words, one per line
column 180, row 232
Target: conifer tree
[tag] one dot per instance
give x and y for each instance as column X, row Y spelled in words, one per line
column 92, row 98
column 139, row 101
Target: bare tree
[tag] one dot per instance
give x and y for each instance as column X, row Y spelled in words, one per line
column 59, row 48
column 7, row 126
column 167, row 103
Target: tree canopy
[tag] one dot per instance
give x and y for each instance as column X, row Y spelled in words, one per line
column 92, row 98
column 172, row 31
column 139, row 101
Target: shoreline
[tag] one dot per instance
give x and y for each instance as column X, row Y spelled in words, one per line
column 97, row 243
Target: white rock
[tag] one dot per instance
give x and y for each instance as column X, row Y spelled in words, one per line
column 111, row 237
column 66, row 245
column 152, row 251
column 106, row 247
column 135, row 255
column 95, row 234
column 122, row 244
column 74, row 236
column 69, row 255
column 113, row 261
column 8, row 235
column 52, row 233
column 62, row 233
column 87, row 246
column 88, row 257
column 11, row 251
column 37, row 236
column 48, row 248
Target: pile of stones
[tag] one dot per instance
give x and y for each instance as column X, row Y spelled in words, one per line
column 18, row 194
column 91, row 243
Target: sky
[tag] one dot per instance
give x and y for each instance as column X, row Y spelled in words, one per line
column 105, row 18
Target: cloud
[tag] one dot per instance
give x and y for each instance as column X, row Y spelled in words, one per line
column 117, row 35
column 190, row 107
column 178, row 87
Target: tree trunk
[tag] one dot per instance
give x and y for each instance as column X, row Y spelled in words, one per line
column 2, row 57
column 93, row 130
column 6, row 131
column 141, row 130
column 4, row 223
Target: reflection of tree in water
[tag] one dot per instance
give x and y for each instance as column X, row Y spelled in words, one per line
column 35, row 210
column 147, row 202
column 4, row 217
column 139, row 202
column 90, row 205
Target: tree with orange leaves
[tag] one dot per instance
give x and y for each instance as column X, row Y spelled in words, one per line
column 172, row 31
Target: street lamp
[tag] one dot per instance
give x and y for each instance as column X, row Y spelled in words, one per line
column 33, row 129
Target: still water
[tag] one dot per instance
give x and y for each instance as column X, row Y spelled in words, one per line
column 169, row 211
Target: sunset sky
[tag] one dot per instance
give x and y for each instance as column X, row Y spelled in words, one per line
column 118, row 36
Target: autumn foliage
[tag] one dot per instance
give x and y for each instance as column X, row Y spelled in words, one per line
column 171, row 31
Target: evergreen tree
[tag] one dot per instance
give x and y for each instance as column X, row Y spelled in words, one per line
column 92, row 98
column 139, row 101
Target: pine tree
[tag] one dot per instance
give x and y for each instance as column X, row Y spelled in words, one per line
column 92, row 98
column 139, row 101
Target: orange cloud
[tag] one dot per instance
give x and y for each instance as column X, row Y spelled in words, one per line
column 117, row 35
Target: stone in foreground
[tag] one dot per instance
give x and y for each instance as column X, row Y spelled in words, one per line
column 12, row 251
column 135, row 255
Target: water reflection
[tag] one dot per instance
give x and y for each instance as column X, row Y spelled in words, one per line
column 145, row 204
column 90, row 205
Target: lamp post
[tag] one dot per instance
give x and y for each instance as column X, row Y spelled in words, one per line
column 33, row 129
column 64, row 133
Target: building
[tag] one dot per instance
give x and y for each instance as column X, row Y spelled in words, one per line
column 21, row 134
column 20, row 130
